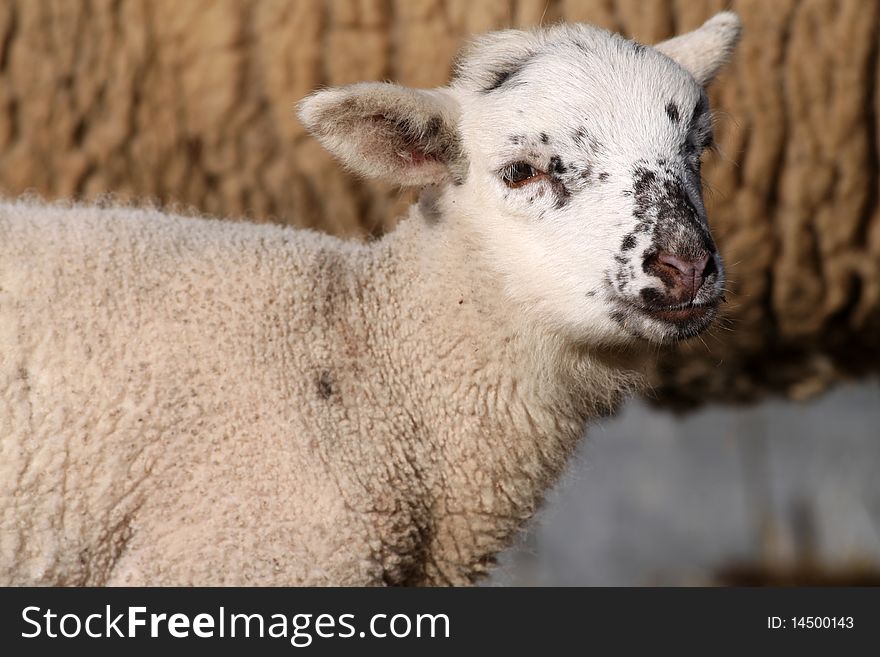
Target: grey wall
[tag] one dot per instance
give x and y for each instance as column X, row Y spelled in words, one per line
column 652, row 498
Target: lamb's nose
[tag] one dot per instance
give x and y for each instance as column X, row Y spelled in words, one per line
column 687, row 273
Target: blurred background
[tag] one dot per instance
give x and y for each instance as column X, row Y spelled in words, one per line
column 779, row 493
column 754, row 456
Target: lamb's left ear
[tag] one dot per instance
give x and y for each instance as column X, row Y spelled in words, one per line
column 407, row 136
column 705, row 50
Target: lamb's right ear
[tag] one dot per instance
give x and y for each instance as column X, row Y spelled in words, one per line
column 705, row 50
column 407, row 136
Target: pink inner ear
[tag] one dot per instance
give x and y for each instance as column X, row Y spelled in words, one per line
column 405, row 159
column 409, row 153
column 417, row 167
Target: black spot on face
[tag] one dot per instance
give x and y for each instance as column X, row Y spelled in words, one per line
column 325, row 385
column 639, row 48
column 586, row 173
column 618, row 316
column 582, row 138
column 672, row 112
column 651, row 296
column 628, row 243
column 516, row 140
column 556, row 170
column 545, row 139
column 644, row 179
column 556, row 167
column 499, row 78
column 504, row 75
column 621, row 278
column 603, row 177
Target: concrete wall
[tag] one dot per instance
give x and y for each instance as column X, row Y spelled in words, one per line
column 774, row 493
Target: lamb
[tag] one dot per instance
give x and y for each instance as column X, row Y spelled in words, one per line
column 196, row 401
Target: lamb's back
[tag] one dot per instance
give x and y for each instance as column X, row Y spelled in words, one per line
column 154, row 367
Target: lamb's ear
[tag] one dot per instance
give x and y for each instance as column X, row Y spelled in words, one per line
column 705, row 50
column 381, row 130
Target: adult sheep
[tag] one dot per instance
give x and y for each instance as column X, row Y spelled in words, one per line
column 187, row 401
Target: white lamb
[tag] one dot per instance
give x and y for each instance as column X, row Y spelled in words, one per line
column 191, row 401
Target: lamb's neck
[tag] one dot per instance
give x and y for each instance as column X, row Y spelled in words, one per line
column 502, row 404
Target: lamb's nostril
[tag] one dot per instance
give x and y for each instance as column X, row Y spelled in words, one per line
column 687, row 268
column 687, row 273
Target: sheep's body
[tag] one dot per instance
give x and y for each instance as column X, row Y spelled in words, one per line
column 195, row 401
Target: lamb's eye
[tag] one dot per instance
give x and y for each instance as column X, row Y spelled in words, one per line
column 519, row 174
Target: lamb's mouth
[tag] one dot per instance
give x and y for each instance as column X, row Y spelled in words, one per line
column 665, row 324
column 681, row 314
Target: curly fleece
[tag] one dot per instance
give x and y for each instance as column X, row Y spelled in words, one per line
column 193, row 401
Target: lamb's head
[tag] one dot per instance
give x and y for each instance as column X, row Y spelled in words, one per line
column 575, row 154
